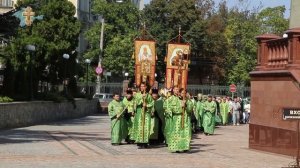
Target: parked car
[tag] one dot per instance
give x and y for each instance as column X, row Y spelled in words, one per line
column 103, row 97
column 103, row 100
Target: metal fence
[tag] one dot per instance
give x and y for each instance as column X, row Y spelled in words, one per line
column 193, row 89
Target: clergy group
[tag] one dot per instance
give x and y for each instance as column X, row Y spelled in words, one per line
column 150, row 117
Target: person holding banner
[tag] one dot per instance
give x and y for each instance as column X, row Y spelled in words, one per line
column 129, row 103
column 142, row 120
column 181, row 133
column 115, row 112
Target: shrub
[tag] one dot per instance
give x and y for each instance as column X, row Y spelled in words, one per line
column 5, row 99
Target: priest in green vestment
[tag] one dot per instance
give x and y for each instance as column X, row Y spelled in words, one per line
column 181, row 133
column 167, row 105
column 158, row 119
column 115, row 111
column 199, row 110
column 224, row 110
column 129, row 103
column 142, row 120
column 209, row 108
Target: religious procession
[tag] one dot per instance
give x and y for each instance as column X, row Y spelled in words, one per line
column 148, row 116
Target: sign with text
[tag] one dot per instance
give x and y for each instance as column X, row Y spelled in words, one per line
column 291, row 113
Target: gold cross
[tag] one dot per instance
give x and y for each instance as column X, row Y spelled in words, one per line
column 27, row 14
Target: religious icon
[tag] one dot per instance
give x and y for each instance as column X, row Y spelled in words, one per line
column 145, row 60
column 145, row 53
column 177, row 65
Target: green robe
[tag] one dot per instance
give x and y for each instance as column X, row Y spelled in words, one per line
column 210, row 109
column 199, row 113
column 159, row 109
column 130, row 105
column 142, row 119
column 168, row 103
column 224, row 110
column 118, row 131
column 181, row 135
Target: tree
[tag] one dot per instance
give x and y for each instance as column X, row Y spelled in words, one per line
column 55, row 35
column 272, row 20
column 121, row 27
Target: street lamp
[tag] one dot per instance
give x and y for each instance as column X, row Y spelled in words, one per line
column 31, row 49
column 66, row 57
column 87, row 61
column 126, row 75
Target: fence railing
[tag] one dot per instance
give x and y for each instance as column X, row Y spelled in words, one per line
column 192, row 89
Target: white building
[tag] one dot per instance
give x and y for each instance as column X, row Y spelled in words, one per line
column 6, row 5
column 139, row 4
column 83, row 13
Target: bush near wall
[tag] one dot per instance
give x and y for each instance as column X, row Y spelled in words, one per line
column 5, row 99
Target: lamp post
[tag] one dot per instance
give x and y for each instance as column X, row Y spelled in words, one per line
column 87, row 61
column 66, row 57
column 31, row 49
column 126, row 75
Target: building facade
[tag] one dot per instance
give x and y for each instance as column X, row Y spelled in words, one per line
column 6, row 5
column 139, row 4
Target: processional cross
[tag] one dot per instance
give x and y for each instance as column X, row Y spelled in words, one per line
column 28, row 14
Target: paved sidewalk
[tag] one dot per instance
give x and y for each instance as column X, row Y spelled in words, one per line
column 85, row 143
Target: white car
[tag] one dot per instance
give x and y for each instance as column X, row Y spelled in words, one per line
column 103, row 97
column 103, row 100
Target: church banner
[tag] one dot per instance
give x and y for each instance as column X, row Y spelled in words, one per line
column 177, row 60
column 145, row 59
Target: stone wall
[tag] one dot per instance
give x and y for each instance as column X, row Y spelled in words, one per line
column 275, row 85
column 21, row 114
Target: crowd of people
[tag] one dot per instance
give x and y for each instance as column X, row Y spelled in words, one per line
column 151, row 117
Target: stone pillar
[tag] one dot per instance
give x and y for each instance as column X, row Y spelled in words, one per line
column 294, row 46
column 295, row 14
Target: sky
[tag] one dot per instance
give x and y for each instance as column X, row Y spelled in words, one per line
column 252, row 3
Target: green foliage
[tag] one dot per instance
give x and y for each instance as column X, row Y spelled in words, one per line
column 272, row 20
column 222, row 39
column 121, row 26
column 53, row 36
column 5, row 99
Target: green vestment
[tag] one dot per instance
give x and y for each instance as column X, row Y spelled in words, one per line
column 158, row 110
column 168, row 103
column 209, row 117
column 130, row 105
column 142, row 119
column 118, row 130
column 224, row 110
column 181, row 133
column 199, row 112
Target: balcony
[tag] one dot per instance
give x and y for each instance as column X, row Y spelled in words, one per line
column 276, row 53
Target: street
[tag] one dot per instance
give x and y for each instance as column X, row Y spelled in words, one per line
column 85, row 143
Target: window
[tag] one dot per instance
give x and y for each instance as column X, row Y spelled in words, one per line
column 6, row 3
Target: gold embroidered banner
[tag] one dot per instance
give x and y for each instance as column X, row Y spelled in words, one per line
column 145, row 59
column 177, row 65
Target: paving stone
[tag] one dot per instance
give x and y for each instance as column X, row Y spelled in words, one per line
column 85, row 143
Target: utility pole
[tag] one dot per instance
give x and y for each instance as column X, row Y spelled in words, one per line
column 98, row 88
